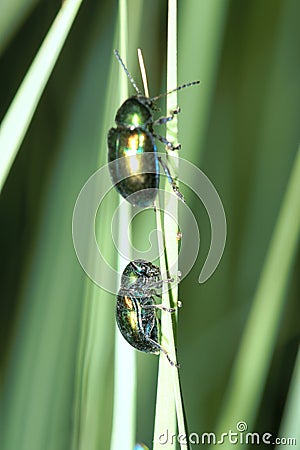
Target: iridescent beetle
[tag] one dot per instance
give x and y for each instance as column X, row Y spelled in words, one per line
column 137, row 178
column 136, row 308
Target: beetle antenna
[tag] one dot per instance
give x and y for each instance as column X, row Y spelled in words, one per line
column 127, row 72
column 192, row 83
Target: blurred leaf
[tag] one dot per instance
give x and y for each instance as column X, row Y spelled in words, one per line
column 260, row 334
column 19, row 115
column 40, row 374
column 291, row 417
column 13, row 13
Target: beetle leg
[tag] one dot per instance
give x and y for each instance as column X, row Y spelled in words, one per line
column 163, row 120
column 158, row 295
column 170, row 179
column 156, row 344
column 167, row 280
column 158, row 284
column 179, row 302
column 160, row 306
column 166, row 142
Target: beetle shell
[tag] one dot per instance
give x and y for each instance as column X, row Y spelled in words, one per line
column 136, row 323
column 132, row 174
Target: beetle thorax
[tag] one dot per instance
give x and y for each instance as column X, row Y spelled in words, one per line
column 135, row 112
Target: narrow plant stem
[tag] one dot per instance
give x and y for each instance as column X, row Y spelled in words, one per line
column 143, row 72
column 253, row 360
column 124, row 408
column 165, row 415
column 18, row 117
column 170, row 225
column 169, row 399
column 165, row 396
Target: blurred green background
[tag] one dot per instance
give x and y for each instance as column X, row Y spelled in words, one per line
column 241, row 127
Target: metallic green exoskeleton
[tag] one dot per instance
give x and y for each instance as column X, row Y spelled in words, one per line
column 136, row 177
column 136, row 308
column 139, row 175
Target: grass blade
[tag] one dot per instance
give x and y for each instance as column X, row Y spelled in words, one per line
column 124, row 408
column 253, row 360
column 21, row 110
column 169, row 405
